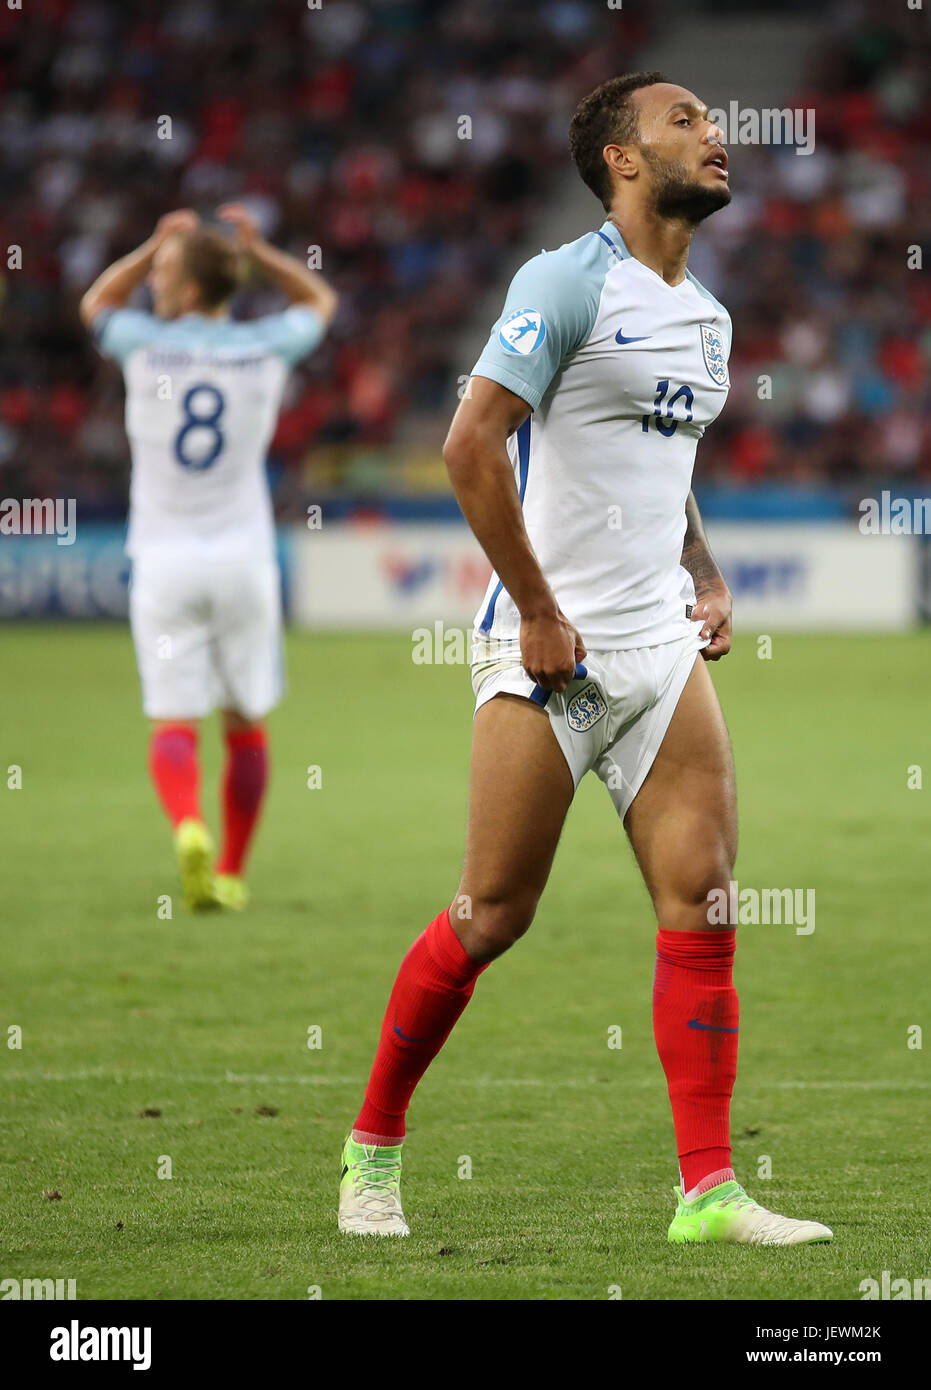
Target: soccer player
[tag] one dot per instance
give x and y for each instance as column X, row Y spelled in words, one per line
column 571, row 456
column 202, row 398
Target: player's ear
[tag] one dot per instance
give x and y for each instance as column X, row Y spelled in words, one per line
column 620, row 160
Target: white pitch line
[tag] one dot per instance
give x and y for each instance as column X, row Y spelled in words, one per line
column 850, row 1085
column 305, row 1079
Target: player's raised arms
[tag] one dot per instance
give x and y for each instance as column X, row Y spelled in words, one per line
column 114, row 286
column 297, row 282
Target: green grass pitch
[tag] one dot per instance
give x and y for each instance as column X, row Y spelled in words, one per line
column 146, row 1039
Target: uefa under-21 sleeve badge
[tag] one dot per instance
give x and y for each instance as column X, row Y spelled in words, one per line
column 523, row 331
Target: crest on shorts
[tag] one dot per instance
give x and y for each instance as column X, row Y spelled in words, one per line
column 585, row 709
column 523, row 332
column 712, row 345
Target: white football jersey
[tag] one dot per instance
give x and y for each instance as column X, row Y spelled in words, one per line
column 202, row 399
column 623, row 373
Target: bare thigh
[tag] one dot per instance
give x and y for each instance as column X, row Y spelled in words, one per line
column 682, row 823
column 520, row 789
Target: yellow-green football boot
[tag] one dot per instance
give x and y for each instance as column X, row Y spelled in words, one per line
column 726, row 1213
column 370, row 1191
column 231, row 892
column 194, row 851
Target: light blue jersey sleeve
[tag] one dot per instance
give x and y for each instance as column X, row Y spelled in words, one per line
column 292, row 334
column 548, row 314
column 118, row 332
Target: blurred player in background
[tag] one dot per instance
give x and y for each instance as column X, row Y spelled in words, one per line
column 202, row 399
column 571, row 456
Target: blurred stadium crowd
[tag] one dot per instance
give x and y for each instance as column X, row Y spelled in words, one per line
column 340, row 126
column 812, row 260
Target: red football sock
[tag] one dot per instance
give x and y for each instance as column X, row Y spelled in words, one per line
column 695, row 1020
column 175, row 771
column 433, row 986
column 244, row 784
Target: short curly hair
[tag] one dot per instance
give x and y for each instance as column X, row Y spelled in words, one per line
column 606, row 116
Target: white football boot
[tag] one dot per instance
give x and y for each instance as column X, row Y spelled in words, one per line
column 726, row 1213
column 370, row 1191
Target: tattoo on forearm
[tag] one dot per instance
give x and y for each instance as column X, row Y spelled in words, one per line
column 700, row 565
column 696, row 557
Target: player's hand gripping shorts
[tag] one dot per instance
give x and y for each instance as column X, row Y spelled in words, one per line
column 612, row 717
column 207, row 634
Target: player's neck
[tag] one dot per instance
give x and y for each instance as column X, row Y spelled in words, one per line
column 215, row 313
column 659, row 243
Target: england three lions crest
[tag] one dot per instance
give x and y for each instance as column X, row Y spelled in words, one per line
column 712, row 346
column 586, row 708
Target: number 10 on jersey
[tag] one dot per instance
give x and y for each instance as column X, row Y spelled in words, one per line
column 668, row 425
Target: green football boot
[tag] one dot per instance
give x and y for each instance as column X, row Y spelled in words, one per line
column 370, row 1191
column 726, row 1213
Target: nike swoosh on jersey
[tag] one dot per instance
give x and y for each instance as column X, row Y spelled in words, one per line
column 709, row 1027
column 619, row 337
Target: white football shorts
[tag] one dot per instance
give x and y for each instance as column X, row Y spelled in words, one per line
column 207, row 635
column 612, row 717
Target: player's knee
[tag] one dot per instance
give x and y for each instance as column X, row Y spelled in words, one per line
column 688, row 901
column 169, row 726
column 496, row 923
column 236, row 723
